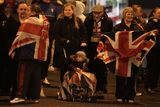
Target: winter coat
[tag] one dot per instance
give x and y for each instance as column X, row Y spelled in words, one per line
column 68, row 38
column 8, row 34
column 151, row 25
column 106, row 24
column 122, row 26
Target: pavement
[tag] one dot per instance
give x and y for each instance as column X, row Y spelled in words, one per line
column 146, row 100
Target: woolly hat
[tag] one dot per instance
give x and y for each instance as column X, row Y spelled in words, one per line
column 81, row 53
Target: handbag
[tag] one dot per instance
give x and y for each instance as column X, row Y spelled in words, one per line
column 95, row 37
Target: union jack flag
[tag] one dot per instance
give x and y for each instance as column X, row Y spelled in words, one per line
column 125, row 48
column 83, row 80
column 33, row 30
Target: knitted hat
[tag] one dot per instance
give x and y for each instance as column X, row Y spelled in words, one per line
column 81, row 53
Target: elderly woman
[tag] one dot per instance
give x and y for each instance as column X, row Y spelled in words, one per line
column 127, row 23
column 125, row 86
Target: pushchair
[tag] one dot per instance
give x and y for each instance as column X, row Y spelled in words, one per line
column 78, row 86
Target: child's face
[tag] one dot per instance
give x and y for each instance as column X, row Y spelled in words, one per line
column 79, row 58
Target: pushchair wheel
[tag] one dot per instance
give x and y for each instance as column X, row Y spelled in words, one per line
column 73, row 99
column 59, row 96
column 89, row 99
column 92, row 99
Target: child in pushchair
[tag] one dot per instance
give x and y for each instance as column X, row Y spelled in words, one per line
column 78, row 84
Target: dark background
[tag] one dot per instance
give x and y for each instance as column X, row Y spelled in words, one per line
column 146, row 4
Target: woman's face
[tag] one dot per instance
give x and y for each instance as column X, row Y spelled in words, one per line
column 129, row 16
column 157, row 13
column 68, row 11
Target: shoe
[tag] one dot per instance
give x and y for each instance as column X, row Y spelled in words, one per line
column 149, row 90
column 33, row 101
column 119, row 100
column 59, row 97
column 130, row 101
column 17, row 100
column 51, row 68
column 46, row 82
column 139, row 94
column 42, row 94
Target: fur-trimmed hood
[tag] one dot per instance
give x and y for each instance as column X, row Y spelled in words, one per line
column 79, row 10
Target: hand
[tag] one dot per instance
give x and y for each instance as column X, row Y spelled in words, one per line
column 77, row 69
column 67, row 41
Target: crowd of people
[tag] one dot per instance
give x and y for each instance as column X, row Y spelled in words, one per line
column 28, row 31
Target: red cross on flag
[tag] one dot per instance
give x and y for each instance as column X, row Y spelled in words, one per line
column 126, row 48
column 33, row 31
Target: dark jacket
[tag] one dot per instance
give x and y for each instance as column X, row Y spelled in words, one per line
column 64, row 30
column 122, row 26
column 106, row 24
column 140, row 23
column 51, row 11
column 7, row 65
column 8, row 34
column 151, row 25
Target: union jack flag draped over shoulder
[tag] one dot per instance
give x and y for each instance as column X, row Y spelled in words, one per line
column 125, row 48
column 33, row 30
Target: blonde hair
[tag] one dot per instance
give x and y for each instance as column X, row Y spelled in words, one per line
column 61, row 15
column 82, row 55
column 126, row 10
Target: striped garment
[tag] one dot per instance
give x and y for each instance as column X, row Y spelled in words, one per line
column 83, row 80
column 33, row 31
column 126, row 48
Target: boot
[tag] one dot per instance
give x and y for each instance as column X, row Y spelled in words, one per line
column 42, row 94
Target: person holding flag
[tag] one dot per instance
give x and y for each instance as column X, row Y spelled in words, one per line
column 125, row 82
column 30, row 47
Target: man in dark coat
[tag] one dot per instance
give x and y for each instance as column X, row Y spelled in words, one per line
column 153, row 59
column 8, row 33
column 97, row 22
